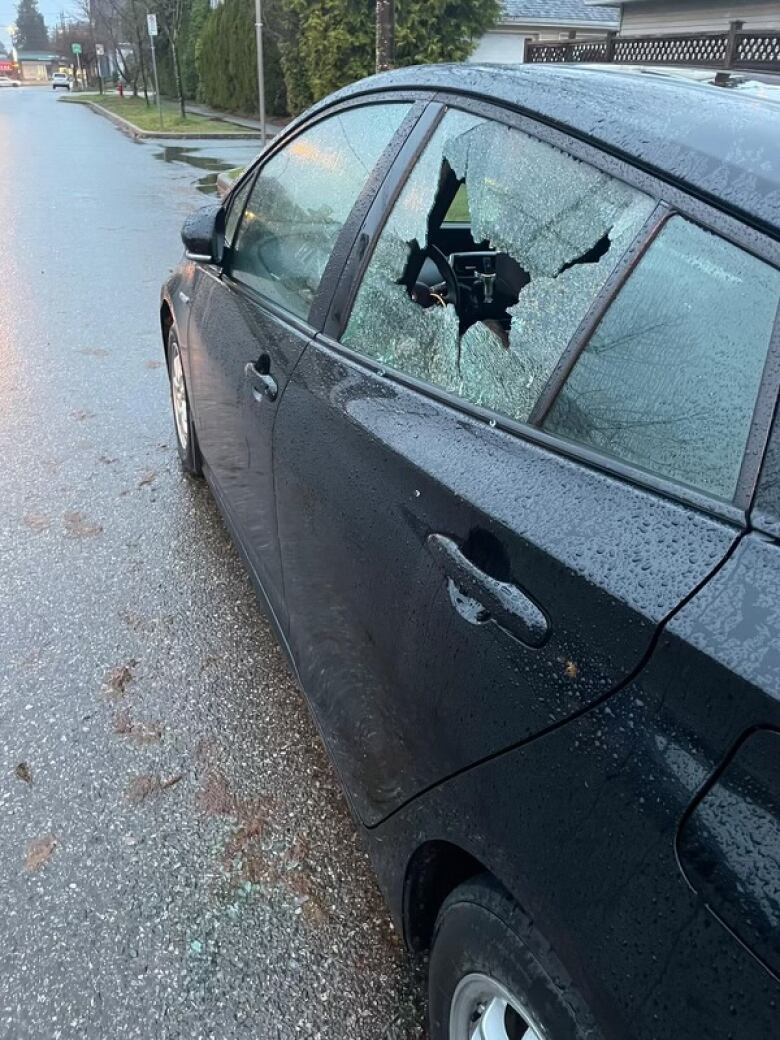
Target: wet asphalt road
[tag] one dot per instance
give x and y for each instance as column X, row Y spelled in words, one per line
column 176, row 858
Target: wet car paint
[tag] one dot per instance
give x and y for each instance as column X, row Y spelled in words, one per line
column 555, row 799
column 643, row 944
column 383, row 653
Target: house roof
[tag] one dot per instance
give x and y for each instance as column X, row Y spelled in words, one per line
column 557, row 12
column 721, row 144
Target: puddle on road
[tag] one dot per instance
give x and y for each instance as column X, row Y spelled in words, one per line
column 207, row 184
column 191, row 157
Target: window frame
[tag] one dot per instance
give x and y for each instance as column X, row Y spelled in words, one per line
column 315, row 318
column 672, row 198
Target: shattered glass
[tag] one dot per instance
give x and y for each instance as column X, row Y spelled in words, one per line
column 385, row 323
column 670, row 378
column 565, row 223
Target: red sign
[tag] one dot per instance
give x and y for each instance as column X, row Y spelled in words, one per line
column 7, row 68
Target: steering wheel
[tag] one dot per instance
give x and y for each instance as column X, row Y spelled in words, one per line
column 448, row 291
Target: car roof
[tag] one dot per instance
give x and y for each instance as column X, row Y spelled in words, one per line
column 721, row 144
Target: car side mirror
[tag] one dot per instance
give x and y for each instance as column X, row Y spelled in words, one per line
column 203, row 234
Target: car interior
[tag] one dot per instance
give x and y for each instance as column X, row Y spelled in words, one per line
column 479, row 281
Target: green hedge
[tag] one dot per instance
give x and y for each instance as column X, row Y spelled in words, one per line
column 226, row 60
column 312, row 47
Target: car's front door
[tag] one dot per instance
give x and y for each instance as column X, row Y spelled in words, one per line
column 466, row 563
column 251, row 319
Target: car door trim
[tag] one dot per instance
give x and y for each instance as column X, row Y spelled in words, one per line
column 378, row 210
column 698, row 500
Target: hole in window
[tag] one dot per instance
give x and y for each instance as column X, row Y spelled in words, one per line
column 490, row 260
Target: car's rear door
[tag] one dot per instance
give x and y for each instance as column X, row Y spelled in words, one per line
column 252, row 317
column 472, row 556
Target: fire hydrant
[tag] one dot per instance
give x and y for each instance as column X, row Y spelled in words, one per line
column 121, row 88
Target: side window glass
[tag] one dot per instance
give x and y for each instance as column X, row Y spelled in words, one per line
column 237, row 200
column 301, row 200
column 669, row 380
column 489, row 261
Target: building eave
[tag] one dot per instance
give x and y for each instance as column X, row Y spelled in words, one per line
column 563, row 23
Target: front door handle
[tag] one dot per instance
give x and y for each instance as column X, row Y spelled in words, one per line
column 506, row 604
column 263, row 383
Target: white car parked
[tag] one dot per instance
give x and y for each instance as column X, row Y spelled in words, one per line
column 6, row 81
column 60, row 79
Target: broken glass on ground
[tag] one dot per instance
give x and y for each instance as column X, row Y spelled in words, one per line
column 565, row 223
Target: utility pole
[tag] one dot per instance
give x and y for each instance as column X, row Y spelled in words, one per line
column 260, row 72
column 151, row 25
column 385, row 35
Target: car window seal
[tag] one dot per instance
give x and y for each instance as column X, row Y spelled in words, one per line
column 761, row 423
column 350, row 230
column 368, row 233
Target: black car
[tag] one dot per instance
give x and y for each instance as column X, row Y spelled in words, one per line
column 482, row 366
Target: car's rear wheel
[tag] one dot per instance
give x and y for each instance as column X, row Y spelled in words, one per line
column 492, row 977
column 186, row 438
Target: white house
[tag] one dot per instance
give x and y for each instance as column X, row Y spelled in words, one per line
column 661, row 17
column 529, row 20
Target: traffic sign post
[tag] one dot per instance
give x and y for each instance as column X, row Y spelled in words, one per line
column 99, row 52
column 76, row 48
column 151, row 25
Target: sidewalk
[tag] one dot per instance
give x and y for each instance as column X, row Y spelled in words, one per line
column 271, row 127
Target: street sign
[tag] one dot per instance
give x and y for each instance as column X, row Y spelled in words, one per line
column 76, row 48
column 100, row 50
column 151, row 24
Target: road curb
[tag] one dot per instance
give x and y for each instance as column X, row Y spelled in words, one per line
column 165, row 135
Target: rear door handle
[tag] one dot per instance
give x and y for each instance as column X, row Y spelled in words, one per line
column 506, row 604
column 263, row 384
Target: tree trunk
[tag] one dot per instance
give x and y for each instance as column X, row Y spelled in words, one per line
column 385, row 34
column 177, row 73
column 141, row 61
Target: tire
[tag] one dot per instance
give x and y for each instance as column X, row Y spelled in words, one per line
column 184, row 428
column 486, row 955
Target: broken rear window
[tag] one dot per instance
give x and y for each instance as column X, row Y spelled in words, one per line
column 488, row 263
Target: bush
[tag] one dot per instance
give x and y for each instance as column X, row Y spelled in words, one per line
column 226, row 59
column 312, row 47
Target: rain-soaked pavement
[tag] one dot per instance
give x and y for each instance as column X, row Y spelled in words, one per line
column 176, row 858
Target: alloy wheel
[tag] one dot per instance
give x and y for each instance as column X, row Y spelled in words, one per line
column 179, row 395
column 483, row 1009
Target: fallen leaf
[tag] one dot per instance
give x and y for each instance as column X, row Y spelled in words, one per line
column 36, row 521
column 148, row 478
column 153, row 364
column 22, row 772
column 141, row 787
column 118, row 678
column 107, row 460
column 216, row 797
column 80, row 414
column 570, row 670
column 77, row 526
column 39, row 851
column 94, row 352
